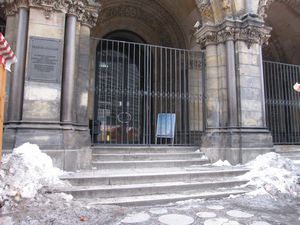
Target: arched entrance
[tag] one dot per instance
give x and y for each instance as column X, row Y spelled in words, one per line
column 137, row 83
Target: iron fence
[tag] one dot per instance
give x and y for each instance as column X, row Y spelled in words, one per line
column 135, row 84
column 282, row 102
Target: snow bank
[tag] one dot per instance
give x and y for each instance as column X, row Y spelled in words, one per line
column 272, row 174
column 25, row 171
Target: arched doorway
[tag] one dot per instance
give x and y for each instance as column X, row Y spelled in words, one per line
column 137, row 83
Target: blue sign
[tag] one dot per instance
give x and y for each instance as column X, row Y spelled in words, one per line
column 165, row 125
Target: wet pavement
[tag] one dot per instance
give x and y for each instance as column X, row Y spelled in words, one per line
column 248, row 210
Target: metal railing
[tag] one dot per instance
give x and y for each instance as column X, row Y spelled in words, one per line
column 135, row 83
column 282, row 102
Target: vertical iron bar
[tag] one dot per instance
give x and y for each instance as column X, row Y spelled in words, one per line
column 155, row 92
column 144, row 102
column 150, row 94
column 171, row 89
column 184, row 101
column 180, row 99
column 139, row 97
column 161, row 81
column 175, row 96
column 105, row 91
column 133, row 96
column 117, row 92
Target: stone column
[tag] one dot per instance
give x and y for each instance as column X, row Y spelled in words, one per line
column 69, row 69
column 88, row 21
column 17, row 80
column 233, row 50
column 232, row 85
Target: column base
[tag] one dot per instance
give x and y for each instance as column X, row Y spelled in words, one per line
column 67, row 145
column 236, row 145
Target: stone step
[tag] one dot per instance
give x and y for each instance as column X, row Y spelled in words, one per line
column 143, row 149
column 289, row 153
column 164, row 198
column 145, row 156
column 109, row 191
column 292, row 157
column 142, row 177
column 106, row 165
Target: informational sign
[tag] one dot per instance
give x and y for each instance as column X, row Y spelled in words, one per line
column 45, row 60
column 165, row 125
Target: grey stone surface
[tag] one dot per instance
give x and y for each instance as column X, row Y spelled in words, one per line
column 236, row 145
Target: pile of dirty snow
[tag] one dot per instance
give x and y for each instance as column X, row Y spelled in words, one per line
column 272, row 174
column 25, row 171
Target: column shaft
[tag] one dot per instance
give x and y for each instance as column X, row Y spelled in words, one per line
column 17, row 82
column 69, row 69
column 232, row 84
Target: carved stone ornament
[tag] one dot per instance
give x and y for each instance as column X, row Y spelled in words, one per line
column 263, row 6
column 8, row 8
column 75, row 7
column 205, row 9
column 89, row 18
column 250, row 32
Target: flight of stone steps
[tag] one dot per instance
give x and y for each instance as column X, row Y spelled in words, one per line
column 152, row 175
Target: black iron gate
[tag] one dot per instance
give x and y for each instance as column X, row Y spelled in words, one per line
column 135, row 83
column 282, row 102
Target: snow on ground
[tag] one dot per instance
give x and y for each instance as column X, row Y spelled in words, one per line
column 221, row 163
column 272, row 174
column 25, row 171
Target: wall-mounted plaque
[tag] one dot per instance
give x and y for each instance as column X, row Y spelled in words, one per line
column 45, row 60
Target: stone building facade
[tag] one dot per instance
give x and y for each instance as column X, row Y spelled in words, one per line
column 51, row 103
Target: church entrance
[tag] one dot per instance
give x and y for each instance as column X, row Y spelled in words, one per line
column 146, row 94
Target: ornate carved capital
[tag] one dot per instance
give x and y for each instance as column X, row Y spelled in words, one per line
column 75, row 7
column 89, row 18
column 249, row 31
column 9, row 8
column 253, row 34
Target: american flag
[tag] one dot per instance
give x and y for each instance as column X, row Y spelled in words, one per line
column 7, row 56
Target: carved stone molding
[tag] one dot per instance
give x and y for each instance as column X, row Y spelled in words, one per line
column 263, row 6
column 74, row 7
column 205, row 9
column 156, row 23
column 248, row 31
column 89, row 18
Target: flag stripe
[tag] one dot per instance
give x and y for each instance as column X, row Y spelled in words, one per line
column 7, row 57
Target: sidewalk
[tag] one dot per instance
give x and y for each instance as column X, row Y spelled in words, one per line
column 247, row 210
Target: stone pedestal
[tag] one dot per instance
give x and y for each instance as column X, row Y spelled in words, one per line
column 235, row 108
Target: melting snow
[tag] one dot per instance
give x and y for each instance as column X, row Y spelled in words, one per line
column 206, row 215
column 215, row 207
column 176, row 219
column 25, row 171
column 136, row 218
column 221, row 163
column 260, row 223
column 158, row 211
column 272, row 174
column 239, row 214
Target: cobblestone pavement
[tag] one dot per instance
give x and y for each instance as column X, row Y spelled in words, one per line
column 261, row 210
